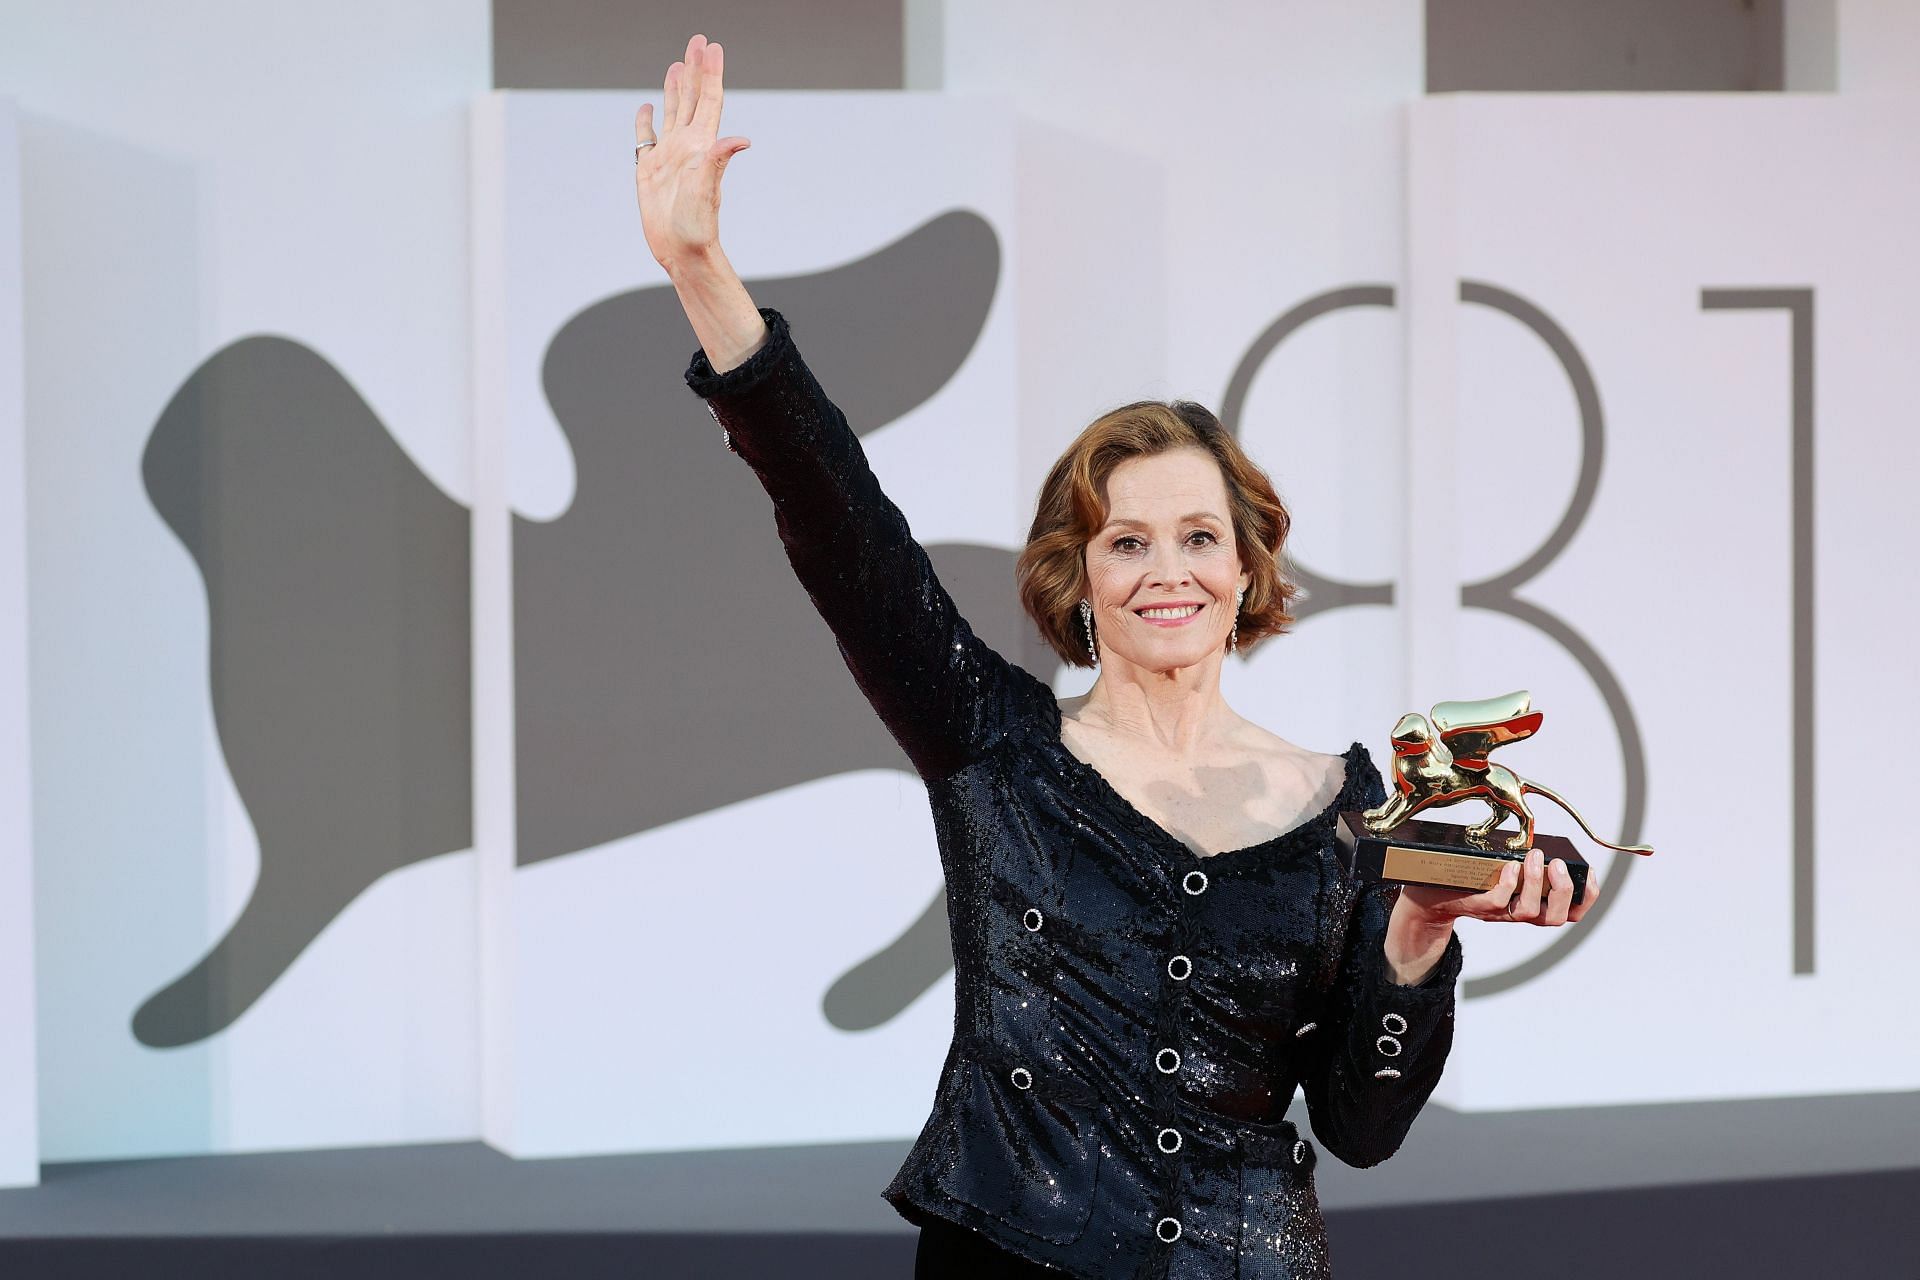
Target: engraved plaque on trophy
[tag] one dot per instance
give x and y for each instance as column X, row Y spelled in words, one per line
column 1442, row 759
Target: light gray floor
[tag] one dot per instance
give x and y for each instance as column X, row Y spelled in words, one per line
column 469, row 1187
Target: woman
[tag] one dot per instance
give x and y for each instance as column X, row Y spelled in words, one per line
column 1133, row 1009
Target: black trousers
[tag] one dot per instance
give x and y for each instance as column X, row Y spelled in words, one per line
column 949, row 1252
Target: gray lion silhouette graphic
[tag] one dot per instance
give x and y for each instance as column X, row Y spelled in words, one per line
column 339, row 613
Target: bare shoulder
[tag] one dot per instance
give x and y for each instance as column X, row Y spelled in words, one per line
column 1281, row 755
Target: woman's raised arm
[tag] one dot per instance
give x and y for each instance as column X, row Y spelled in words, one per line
column 946, row 696
column 676, row 178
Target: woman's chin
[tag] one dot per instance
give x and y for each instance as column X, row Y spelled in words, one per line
column 1173, row 653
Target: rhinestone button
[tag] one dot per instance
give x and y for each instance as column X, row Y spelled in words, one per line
column 1168, row 1140
column 1388, row 1046
column 1300, row 1151
column 1022, row 1078
column 1194, row 882
column 1168, row 1060
column 1168, row 1229
column 1179, row 968
column 1394, row 1023
column 1033, row 919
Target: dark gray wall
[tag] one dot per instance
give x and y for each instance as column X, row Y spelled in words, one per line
column 1474, row 45
column 628, row 44
column 1626, row 45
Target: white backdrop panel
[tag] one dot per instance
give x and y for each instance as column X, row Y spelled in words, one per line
column 188, row 183
column 19, row 1118
column 1611, row 215
column 663, row 990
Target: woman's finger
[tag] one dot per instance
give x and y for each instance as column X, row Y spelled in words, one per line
column 1527, row 905
column 1589, row 897
column 1494, row 902
column 690, row 79
column 724, row 150
column 1491, row 904
column 670, row 98
column 1559, row 895
column 706, row 116
column 645, row 145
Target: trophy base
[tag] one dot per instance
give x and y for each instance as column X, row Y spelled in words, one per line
column 1437, row 855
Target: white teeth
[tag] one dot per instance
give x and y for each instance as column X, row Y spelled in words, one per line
column 1186, row 612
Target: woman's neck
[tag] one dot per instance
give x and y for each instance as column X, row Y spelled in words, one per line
column 1177, row 711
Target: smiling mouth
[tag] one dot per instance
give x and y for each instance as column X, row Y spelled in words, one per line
column 1169, row 617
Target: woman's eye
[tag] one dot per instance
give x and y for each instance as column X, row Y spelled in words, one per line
column 1131, row 543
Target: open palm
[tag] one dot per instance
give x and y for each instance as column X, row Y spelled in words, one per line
column 677, row 179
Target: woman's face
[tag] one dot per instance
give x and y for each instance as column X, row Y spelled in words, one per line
column 1168, row 540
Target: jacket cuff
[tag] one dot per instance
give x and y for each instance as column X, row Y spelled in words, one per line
column 1392, row 1024
column 707, row 384
column 768, row 407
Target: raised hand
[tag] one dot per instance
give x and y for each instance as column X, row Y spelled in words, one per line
column 677, row 172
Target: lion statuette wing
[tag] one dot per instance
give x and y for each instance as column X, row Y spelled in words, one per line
column 1472, row 730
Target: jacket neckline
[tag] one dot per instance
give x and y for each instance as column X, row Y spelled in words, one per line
column 1153, row 830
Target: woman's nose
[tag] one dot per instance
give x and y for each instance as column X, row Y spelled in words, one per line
column 1170, row 565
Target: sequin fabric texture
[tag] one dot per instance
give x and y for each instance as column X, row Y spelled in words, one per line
column 1131, row 1019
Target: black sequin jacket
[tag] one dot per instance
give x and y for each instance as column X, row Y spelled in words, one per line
column 1131, row 1019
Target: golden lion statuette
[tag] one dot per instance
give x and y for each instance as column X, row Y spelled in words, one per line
column 1440, row 760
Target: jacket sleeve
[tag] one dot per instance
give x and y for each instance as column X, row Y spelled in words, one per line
column 944, row 694
column 1386, row 1044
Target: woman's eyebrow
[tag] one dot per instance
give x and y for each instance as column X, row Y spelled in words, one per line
column 1141, row 524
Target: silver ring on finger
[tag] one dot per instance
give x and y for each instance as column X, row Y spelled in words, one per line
column 1510, row 914
column 638, row 147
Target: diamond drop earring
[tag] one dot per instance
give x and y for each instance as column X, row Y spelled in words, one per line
column 1086, row 621
column 1233, row 637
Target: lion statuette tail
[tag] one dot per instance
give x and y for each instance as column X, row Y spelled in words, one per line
column 1527, row 784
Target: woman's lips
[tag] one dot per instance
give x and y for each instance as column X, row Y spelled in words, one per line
column 1169, row 622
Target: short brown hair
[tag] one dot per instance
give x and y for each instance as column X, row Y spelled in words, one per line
column 1072, row 507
